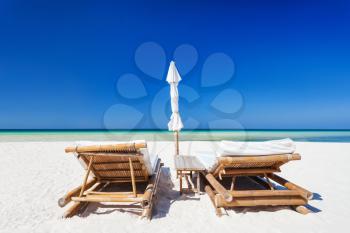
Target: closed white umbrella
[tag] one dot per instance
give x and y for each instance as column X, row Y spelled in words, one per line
column 175, row 123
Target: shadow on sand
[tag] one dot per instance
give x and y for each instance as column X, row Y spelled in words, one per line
column 244, row 183
column 166, row 196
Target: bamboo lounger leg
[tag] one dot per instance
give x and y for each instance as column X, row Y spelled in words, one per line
column 150, row 192
column 292, row 198
column 301, row 209
column 219, row 188
column 77, row 206
column 63, row 201
column 290, row 185
column 211, row 195
column 74, row 209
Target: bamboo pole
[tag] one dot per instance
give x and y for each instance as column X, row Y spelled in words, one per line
column 105, row 198
column 249, row 171
column 147, row 195
column 290, row 185
column 74, row 209
column 268, row 181
column 122, row 180
column 147, row 213
column 218, row 169
column 176, row 135
column 136, row 155
column 151, row 190
column 256, row 159
column 198, row 182
column 233, row 183
column 114, row 147
column 261, row 201
column 86, row 177
column 114, row 195
column 152, row 186
column 301, row 209
column 265, row 193
column 211, row 195
column 219, row 188
column 63, row 201
column 77, row 206
column 108, row 193
column 180, row 177
column 132, row 178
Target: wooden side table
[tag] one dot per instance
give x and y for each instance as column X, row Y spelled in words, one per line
column 186, row 165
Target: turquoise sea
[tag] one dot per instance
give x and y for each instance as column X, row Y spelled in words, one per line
column 159, row 135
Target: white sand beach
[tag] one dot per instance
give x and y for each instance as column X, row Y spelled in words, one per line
column 34, row 175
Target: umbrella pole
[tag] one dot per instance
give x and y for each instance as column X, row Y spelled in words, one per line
column 176, row 135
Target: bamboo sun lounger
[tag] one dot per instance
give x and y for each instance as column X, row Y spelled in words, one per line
column 261, row 171
column 115, row 165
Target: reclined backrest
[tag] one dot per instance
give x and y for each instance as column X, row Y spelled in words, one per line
column 111, row 162
column 268, row 162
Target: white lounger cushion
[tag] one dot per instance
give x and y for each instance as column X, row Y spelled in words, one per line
column 208, row 159
column 149, row 159
column 273, row 147
column 231, row 148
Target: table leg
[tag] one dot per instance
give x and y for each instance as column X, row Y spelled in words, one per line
column 180, row 177
column 198, row 183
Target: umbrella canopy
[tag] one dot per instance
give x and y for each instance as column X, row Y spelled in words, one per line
column 173, row 78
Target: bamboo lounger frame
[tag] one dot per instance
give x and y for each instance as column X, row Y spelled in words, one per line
column 260, row 169
column 107, row 164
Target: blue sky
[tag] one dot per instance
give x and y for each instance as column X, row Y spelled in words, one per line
column 62, row 62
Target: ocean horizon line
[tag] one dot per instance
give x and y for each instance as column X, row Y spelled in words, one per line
column 314, row 135
column 165, row 130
